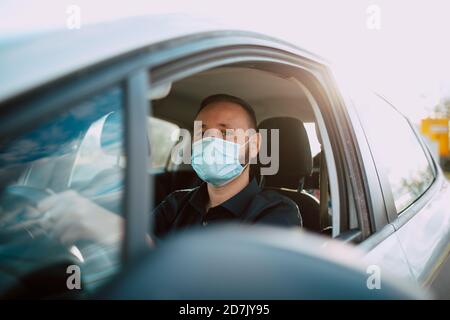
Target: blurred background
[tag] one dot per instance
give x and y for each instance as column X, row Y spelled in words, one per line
column 399, row 48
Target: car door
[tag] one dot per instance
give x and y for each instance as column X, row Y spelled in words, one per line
column 380, row 242
column 413, row 189
column 83, row 136
column 419, row 208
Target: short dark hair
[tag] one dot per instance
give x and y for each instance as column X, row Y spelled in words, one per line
column 221, row 97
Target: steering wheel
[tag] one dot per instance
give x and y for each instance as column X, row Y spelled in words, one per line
column 15, row 200
column 45, row 251
column 28, row 251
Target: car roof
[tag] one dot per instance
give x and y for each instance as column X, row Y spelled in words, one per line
column 30, row 60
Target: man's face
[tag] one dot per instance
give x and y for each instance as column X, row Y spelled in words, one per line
column 229, row 121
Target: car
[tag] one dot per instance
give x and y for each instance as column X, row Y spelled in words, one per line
column 106, row 111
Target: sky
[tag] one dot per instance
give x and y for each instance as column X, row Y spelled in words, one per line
column 400, row 48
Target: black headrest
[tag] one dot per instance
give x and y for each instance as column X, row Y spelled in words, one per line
column 295, row 161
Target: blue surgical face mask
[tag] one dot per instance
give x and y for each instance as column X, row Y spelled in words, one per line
column 216, row 161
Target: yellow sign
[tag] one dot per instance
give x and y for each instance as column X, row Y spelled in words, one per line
column 437, row 130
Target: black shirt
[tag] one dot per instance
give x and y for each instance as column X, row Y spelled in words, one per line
column 187, row 207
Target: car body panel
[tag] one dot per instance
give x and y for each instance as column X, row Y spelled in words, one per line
column 425, row 238
column 415, row 244
column 389, row 254
column 282, row 266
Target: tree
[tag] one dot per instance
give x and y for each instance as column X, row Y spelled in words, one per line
column 442, row 110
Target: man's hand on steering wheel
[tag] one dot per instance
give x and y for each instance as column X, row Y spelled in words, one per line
column 70, row 217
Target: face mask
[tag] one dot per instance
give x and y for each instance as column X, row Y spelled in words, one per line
column 216, row 161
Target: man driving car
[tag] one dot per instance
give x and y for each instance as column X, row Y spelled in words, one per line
column 221, row 155
column 228, row 132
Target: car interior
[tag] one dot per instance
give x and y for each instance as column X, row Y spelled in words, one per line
column 279, row 104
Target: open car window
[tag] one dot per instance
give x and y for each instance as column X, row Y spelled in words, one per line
column 277, row 101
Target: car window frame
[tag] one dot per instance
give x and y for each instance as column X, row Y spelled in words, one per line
column 182, row 67
column 400, row 218
column 394, row 218
column 383, row 224
column 357, row 164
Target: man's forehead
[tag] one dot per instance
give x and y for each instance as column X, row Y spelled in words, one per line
column 224, row 115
